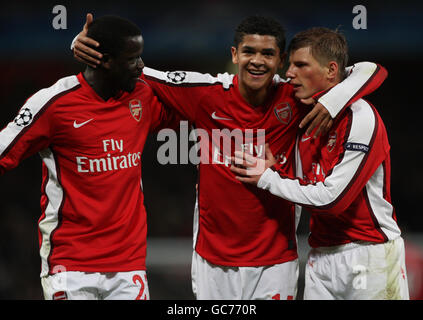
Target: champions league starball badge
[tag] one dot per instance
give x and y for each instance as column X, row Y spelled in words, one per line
column 176, row 76
column 24, row 117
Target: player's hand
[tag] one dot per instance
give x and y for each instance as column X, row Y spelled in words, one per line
column 319, row 117
column 83, row 50
column 248, row 168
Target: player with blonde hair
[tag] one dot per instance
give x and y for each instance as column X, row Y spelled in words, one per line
column 343, row 180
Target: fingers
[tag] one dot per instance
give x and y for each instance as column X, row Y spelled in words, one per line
column 324, row 127
column 244, row 159
column 319, row 122
column 311, row 115
column 309, row 101
column 88, row 21
column 239, row 171
column 320, row 118
column 250, row 180
column 82, row 51
column 90, row 18
column 315, row 121
column 268, row 152
column 82, row 37
column 243, row 175
column 241, row 163
column 246, row 167
column 85, row 43
column 84, row 58
column 84, row 61
column 83, row 48
column 329, row 125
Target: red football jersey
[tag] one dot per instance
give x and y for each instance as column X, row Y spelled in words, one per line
column 238, row 224
column 345, row 181
column 93, row 217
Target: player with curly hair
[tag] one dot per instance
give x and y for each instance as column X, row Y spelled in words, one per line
column 244, row 238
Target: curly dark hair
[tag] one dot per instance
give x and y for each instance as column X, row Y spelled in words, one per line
column 111, row 32
column 260, row 25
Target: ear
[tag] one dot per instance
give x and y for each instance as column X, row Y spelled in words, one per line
column 106, row 61
column 234, row 53
column 333, row 69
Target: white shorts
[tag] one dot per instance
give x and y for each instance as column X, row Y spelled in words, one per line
column 357, row 271
column 212, row 282
column 75, row 285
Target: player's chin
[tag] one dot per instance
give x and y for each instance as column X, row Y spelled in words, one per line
column 302, row 94
column 259, row 84
column 130, row 85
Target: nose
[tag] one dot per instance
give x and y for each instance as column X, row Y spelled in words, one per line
column 257, row 59
column 290, row 73
column 140, row 64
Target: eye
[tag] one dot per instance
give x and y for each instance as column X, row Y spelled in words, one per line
column 300, row 64
column 248, row 50
column 134, row 60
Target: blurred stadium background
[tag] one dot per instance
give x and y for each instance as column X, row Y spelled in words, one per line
column 197, row 36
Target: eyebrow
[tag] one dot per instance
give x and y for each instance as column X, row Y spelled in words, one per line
column 268, row 50
column 297, row 62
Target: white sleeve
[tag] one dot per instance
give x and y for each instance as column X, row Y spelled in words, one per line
column 338, row 97
column 291, row 189
column 343, row 173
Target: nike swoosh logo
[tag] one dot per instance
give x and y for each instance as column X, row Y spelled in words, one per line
column 305, row 139
column 79, row 125
column 214, row 116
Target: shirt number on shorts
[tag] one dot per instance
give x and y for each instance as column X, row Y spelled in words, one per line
column 137, row 278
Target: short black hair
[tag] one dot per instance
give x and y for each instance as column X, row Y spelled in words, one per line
column 264, row 26
column 111, row 32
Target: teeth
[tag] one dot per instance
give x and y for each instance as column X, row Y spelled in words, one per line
column 256, row 72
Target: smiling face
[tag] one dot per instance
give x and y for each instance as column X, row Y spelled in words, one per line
column 258, row 58
column 126, row 67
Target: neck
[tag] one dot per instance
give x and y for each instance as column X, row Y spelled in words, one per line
column 255, row 98
column 329, row 85
column 100, row 82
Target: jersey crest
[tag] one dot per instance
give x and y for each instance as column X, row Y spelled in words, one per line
column 136, row 109
column 283, row 112
column 331, row 141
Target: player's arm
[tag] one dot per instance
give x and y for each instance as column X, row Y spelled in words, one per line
column 180, row 90
column 27, row 134
column 184, row 91
column 359, row 158
column 161, row 115
column 363, row 78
